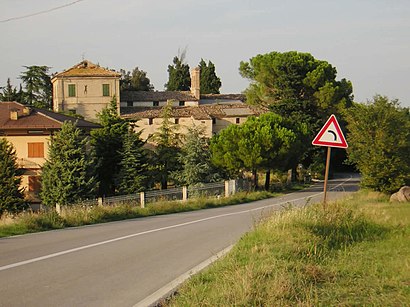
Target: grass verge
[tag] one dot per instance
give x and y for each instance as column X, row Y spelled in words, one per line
column 79, row 216
column 354, row 253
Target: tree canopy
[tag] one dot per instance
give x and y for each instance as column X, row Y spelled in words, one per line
column 37, row 86
column 11, row 194
column 210, row 82
column 136, row 80
column 379, row 143
column 179, row 77
column 10, row 93
column 68, row 174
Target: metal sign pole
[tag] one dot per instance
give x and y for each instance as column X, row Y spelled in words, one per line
column 326, row 175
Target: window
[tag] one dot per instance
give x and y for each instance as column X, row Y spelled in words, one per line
column 181, row 103
column 150, row 121
column 213, row 120
column 155, row 103
column 176, row 121
column 130, row 104
column 106, row 89
column 71, row 90
column 34, row 183
column 238, row 120
column 36, row 150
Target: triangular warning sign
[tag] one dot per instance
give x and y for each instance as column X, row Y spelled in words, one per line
column 330, row 135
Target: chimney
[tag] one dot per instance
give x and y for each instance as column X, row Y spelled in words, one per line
column 195, row 82
column 14, row 114
column 26, row 111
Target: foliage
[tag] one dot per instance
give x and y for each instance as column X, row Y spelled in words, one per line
column 133, row 173
column 67, row 175
column 108, row 142
column 10, row 93
column 167, row 148
column 195, row 159
column 266, row 142
column 179, row 78
column 11, row 195
column 135, row 81
column 37, row 85
column 210, row 82
column 350, row 254
column 379, row 143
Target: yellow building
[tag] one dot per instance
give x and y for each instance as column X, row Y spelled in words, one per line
column 29, row 130
column 85, row 89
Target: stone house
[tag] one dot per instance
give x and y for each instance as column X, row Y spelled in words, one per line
column 29, row 130
column 85, row 89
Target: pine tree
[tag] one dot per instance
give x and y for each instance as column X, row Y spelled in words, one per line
column 9, row 92
column 108, row 142
column 166, row 151
column 133, row 174
column 210, row 82
column 38, row 87
column 11, row 195
column 67, row 176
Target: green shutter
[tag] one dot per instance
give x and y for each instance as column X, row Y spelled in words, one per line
column 71, row 90
column 106, row 90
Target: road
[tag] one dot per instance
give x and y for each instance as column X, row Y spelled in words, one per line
column 132, row 262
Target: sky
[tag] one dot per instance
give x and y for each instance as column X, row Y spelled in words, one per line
column 368, row 41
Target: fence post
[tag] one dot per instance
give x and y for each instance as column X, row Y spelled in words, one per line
column 142, row 199
column 233, row 185
column 227, row 192
column 58, row 209
column 184, row 193
column 100, row 201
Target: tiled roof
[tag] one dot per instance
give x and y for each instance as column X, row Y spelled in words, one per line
column 36, row 119
column 197, row 112
column 87, row 69
column 157, row 96
column 216, row 97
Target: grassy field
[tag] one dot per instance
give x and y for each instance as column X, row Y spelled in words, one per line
column 78, row 216
column 353, row 253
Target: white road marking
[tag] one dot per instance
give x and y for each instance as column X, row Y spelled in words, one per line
column 21, row 263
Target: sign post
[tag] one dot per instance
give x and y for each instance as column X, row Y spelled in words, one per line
column 329, row 136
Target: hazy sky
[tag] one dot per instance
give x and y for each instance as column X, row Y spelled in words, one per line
column 368, row 41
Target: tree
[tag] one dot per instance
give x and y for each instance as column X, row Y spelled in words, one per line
column 135, row 81
column 210, row 82
column 108, row 142
column 68, row 174
column 37, row 85
column 262, row 143
column 11, row 194
column 167, row 148
column 195, row 159
column 9, row 93
column 133, row 174
column 179, row 78
column 300, row 87
column 379, row 143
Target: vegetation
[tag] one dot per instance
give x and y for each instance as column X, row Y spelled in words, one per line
column 78, row 215
column 179, row 78
column 210, row 82
column 135, row 81
column 108, row 142
column 67, row 175
column 350, row 254
column 37, row 85
column 10, row 93
column 379, row 144
column 11, row 195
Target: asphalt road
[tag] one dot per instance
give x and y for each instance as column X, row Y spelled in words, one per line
column 132, row 262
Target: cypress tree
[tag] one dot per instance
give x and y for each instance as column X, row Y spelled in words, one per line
column 11, row 195
column 68, row 173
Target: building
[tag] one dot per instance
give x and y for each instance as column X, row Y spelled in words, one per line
column 85, row 89
column 212, row 112
column 29, row 130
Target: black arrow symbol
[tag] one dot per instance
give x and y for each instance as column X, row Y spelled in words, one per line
column 334, row 134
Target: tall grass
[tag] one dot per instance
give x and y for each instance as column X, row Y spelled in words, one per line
column 352, row 253
column 80, row 215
